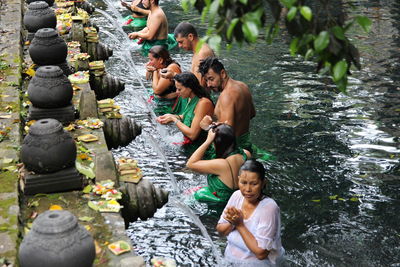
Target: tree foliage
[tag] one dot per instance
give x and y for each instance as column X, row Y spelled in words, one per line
column 318, row 29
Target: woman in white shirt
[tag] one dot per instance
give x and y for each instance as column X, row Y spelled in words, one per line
column 251, row 221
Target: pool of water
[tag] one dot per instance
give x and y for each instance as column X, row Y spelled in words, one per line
column 336, row 174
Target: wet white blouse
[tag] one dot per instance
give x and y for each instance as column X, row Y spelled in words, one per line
column 264, row 224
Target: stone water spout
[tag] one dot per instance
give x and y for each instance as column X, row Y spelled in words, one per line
column 48, row 48
column 50, row 152
column 56, row 239
column 85, row 5
column 50, row 93
column 106, row 86
column 99, row 51
column 120, row 132
column 141, row 200
column 39, row 16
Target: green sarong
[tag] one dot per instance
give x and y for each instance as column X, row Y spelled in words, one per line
column 168, row 43
column 243, row 141
column 134, row 24
column 190, row 146
column 180, row 106
column 217, row 191
column 161, row 105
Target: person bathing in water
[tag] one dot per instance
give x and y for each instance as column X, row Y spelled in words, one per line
column 198, row 106
column 223, row 170
column 235, row 104
column 156, row 31
column 164, row 90
column 137, row 20
column 251, row 221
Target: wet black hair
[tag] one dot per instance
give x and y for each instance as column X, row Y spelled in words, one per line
column 225, row 140
column 184, row 29
column 255, row 166
column 159, row 51
column 210, row 63
column 189, row 80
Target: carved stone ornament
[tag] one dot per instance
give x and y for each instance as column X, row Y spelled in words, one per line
column 48, row 147
column 48, row 48
column 57, row 240
column 50, row 88
column 39, row 16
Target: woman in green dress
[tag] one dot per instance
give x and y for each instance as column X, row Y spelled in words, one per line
column 223, row 170
column 198, row 105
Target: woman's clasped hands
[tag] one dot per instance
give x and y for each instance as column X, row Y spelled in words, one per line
column 234, row 216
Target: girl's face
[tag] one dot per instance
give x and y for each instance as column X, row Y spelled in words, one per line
column 182, row 91
column 250, row 185
column 155, row 62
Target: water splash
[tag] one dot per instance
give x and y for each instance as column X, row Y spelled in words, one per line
column 127, row 58
column 188, row 211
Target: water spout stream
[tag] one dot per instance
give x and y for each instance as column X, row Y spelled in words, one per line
column 127, row 58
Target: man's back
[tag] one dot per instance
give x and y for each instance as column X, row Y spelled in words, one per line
column 157, row 24
column 235, row 105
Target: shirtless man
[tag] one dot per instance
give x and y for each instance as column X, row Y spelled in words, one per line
column 235, row 104
column 156, row 32
column 187, row 38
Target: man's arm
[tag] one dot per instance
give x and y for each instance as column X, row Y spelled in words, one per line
column 226, row 111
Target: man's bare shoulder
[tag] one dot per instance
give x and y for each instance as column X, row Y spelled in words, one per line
column 235, row 86
column 205, row 52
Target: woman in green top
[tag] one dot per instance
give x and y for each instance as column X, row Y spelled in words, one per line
column 222, row 171
column 198, row 105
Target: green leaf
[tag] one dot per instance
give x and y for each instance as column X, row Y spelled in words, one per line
column 322, row 41
column 316, row 200
column 244, row 2
column 250, row 31
column 215, row 42
column 86, row 219
column 213, row 11
column 292, row 13
column 364, row 22
column 333, row 197
column 93, row 206
column 254, row 16
column 354, row 199
column 288, row 3
column 272, row 32
column 185, row 5
column 309, row 54
column 231, row 28
column 293, row 46
column 200, row 44
column 87, row 171
column 87, row 189
column 338, row 32
column 306, row 12
column 339, row 70
column 342, row 84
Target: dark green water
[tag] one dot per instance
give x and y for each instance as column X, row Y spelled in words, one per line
column 337, row 173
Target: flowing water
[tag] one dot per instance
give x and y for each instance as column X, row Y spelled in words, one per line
column 336, row 176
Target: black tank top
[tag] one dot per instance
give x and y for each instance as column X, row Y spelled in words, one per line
column 140, row 5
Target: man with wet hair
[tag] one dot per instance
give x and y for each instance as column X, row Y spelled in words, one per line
column 235, row 104
column 188, row 39
column 156, row 32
